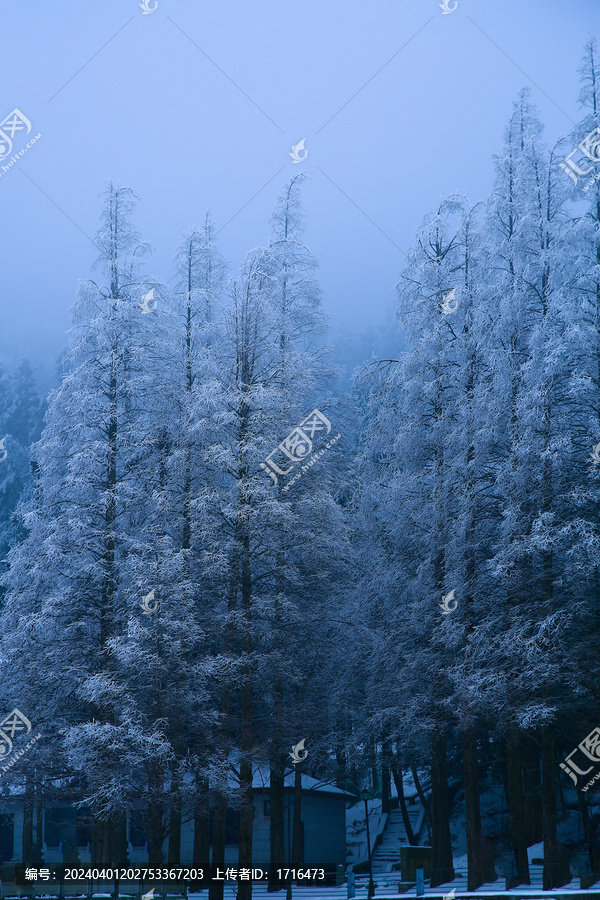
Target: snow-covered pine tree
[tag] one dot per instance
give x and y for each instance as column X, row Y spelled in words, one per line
column 526, row 214
column 20, row 425
column 411, row 492
column 66, row 603
column 202, row 273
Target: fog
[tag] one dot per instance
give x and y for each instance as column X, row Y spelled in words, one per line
column 197, row 106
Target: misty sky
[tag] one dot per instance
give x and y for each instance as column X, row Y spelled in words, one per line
column 197, row 105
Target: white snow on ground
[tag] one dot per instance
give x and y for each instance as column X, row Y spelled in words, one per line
column 387, row 889
column 356, row 832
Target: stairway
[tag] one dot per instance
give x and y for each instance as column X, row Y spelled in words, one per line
column 387, row 854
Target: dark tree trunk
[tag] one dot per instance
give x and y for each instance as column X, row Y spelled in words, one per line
column 278, row 758
column 201, row 851
column 373, row 764
column 341, row 773
column 28, row 850
column 39, row 834
column 385, row 785
column 556, row 869
column 119, row 826
column 246, row 693
column 246, row 794
column 175, row 825
column 422, row 798
column 399, row 782
column 297, row 832
column 277, row 823
column 516, row 810
column 108, row 556
column 587, row 825
column 473, row 810
column 109, row 845
column 215, row 888
column 442, row 869
column 246, row 731
column 156, row 821
column 532, row 790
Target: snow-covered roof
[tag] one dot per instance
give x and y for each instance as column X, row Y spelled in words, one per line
column 260, row 780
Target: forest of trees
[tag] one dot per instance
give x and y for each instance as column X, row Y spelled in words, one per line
column 466, row 465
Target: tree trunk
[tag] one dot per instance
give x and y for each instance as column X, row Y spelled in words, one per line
column 215, row 889
column 422, row 798
column 108, row 557
column 119, row 848
column 246, row 729
column 99, row 838
column 297, row 831
column 39, row 833
column 398, row 775
column 516, row 810
column 473, row 810
column 442, row 869
column 156, row 823
column 340, row 775
column 201, row 849
column 28, row 822
column 556, row 871
column 587, row 826
column 373, row 764
column 385, row 779
column 277, row 823
column 246, row 797
column 175, row 825
column 532, row 790
column 109, row 845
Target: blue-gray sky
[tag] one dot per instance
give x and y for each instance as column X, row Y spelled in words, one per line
column 197, row 105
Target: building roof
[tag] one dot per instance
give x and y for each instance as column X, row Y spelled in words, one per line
column 260, row 781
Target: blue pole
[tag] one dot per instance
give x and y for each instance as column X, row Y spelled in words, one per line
column 420, row 883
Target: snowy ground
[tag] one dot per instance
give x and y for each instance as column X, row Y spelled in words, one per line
column 387, row 890
column 387, row 887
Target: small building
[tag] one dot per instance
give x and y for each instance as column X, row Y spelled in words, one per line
column 323, row 813
column 67, row 834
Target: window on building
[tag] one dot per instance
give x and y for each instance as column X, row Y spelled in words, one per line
column 267, row 809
